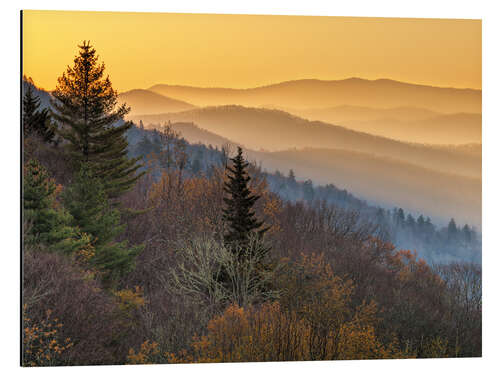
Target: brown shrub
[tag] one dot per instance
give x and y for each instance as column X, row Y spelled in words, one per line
column 90, row 317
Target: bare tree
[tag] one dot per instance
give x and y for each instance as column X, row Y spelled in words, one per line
column 201, row 264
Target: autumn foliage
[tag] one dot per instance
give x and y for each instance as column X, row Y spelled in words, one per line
column 268, row 333
column 42, row 341
column 159, row 274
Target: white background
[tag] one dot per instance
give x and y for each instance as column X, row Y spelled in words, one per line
column 10, row 175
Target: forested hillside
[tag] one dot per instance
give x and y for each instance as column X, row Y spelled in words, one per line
column 144, row 102
column 408, row 124
column 140, row 247
column 441, row 181
column 411, row 230
column 385, row 181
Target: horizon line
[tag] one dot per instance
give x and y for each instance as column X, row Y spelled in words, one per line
column 306, row 79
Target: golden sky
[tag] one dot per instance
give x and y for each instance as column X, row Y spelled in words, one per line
column 143, row 49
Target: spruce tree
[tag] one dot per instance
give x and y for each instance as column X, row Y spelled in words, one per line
column 291, row 181
column 452, row 229
column 238, row 212
column 36, row 121
column 400, row 218
column 89, row 206
column 48, row 225
column 420, row 223
column 467, row 233
column 85, row 105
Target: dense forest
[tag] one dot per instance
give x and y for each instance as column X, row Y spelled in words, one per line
column 140, row 247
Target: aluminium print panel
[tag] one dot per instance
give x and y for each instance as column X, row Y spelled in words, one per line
column 241, row 188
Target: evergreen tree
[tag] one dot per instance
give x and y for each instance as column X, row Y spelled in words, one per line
column 400, row 218
column 36, row 121
column 308, row 190
column 84, row 105
column 238, row 213
column 421, row 223
column 168, row 142
column 48, row 225
column 452, row 229
column 88, row 204
column 410, row 222
column 467, row 233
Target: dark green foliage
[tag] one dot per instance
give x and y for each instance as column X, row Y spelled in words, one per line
column 452, row 229
column 87, row 202
column 410, row 222
column 421, row 223
column 47, row 225
column 36, row 121
column 84, row 105
column 291, row 181
column 238, row 212
column 399, row 217
column 467, row 233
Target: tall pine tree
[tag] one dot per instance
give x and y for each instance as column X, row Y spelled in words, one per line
column 85, row 105
column 238, row 212
column 452, row 230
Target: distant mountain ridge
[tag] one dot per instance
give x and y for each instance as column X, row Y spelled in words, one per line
column 312, row 93
column 274, row 130
column 455, row 128
column 358, row 113
column 194, row 134
column 409, row 124
column 384, row 181
column 145, row 101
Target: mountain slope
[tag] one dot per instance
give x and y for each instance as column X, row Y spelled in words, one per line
column 144, row 101
column 455, row 128
column 345, row 113
column 384, row 181
column 193, row 134
column 403, row 123
column 273, row 130
column 311, row 93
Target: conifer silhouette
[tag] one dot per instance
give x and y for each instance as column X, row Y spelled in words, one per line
column 239, row 213
column 84, row 105
column 36, row 121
